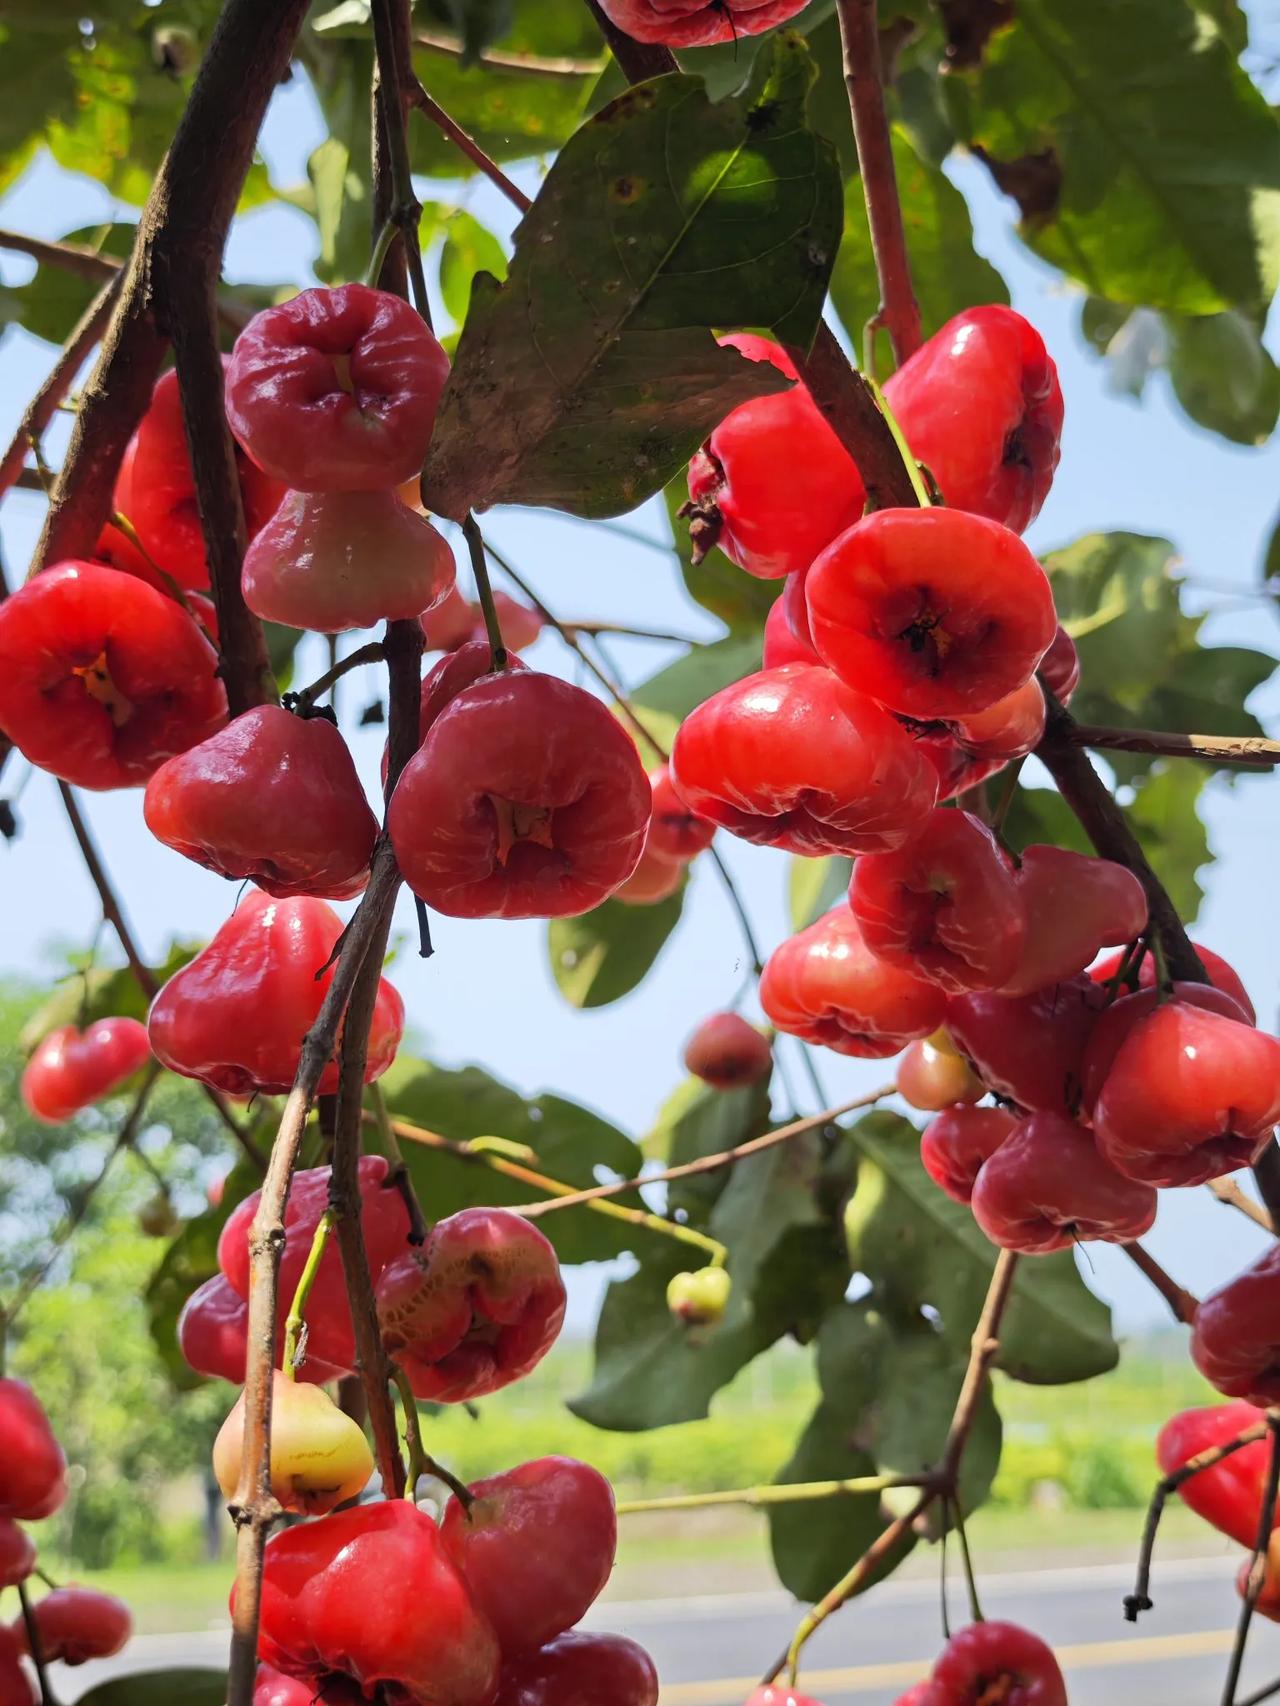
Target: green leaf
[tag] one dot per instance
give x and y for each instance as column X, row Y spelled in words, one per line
column 468, row 249
column 947, row 272
column 1224, row 377
column 740, row 600
column 816, row 1542
column 1145, row 161
column 919, row 1248
column 570, row 1144
column 1164, row 817
column 479, row 23
column 696, row 1121
column 814, row 886
column 592, row 376
column 666, row 699
column 340, row 169
column 100, row 994
column 161, row 1688
column 602, row 955
column 53, row 299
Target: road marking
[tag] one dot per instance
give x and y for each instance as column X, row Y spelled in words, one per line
column 860, row 1679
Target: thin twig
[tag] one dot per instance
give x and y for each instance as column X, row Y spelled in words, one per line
column 1229, row 1193
column 498, row 657
column 421, row 1461
column 399, row 1178
column 35, row 1646
column 1257, row 1565
column 467, row 145
column 527, row 64
column 593, row 630
column 849, row 404
column 75, row 258
column 373, row 652
column 395, row 91
column 1180, row 1300
column 1249, row 750
column 777, row 1493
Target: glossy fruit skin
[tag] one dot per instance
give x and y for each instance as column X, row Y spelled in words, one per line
column 1046, row 1187
column 1073, row 906
column 675, row 834
column 385, row 1224
column 334, row 561
column 213, row 1335
column 981, row 406
column 69, row 1068
column 1235, row 1338
column 537, row 1549
column 793, row 758
column 17, row 1554
column 32, row 1466
column 932, row 1079
column 87, row 723
column 1029, row 1048
column 448, row 676
column 156, row 490
column 450, row 623
column 935, row 613
column 316, row 1595
column 653, row 880
column 726, row 1052
column 337, row 390
column 1221, row 975
column 273, row 797
column 976, row 1660
column 581, row 1670
column 1060, row 666
column 477, row 1307
column 16, row 1687
column 79, row 1624
column 1190, row 1095
column 526, row 800
column 274, row 1689
column 781, row 646
column 778, row 1694
column 263, row 961
column 826, row 986
column 781, row 482
column 954, row 1146
column 944, row 907
column 968, row 750
column 1229, row 1494
column 319, row 1456
column 699, row 1299
column 1118, row 1019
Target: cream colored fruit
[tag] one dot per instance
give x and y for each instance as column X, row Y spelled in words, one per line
column 319, row 1457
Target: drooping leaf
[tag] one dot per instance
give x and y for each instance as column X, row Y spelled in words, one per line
column 602, row 955
column 161, row 1688
column 1224, row 377
column 592, row 375
column 666, row 699
column 814, row 886
column 468, row 249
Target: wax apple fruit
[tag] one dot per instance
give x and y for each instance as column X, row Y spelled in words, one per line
column 31, row 1462
column 319, row 1456
column 1060, row 666
column 1229, row 1493
column 781, row 646
column 332, row 561
column 934, row 612
column 990, row 1662
column 79, row 1624
column 966, row 750
column 653, row 880
column 1073, row 906
column 536, row 1548
column 16, row 1687
column 526, row 800
column 726, row 1052
column 1046, row 1187
column 954, row 1147
column 274, row 797
column 931, row 1077
column 102, row 678
column 1235, row 1338
column 371, row 1594
column 581, row 1670
column 213, row 1335
column 337, row 390
column 826, row 986
column 676, row 833
column 1118, row 1020
column 944, row 907
column 699, row 1299
column 69, row 1069
column 17, row 1554
column 773, row 485
column 272, row 1688
column 266, row 961
column 1221, row 975
column 477, row 1307
column 1029, row 1048
column 793, row 758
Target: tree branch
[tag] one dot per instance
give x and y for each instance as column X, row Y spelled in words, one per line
column 851, row 410
column 1229, row 1193
column 527, row 64
column 1249, row 750
column 75, row 258
column 1180, row 1300
column 467, row 145
column 774, row 1493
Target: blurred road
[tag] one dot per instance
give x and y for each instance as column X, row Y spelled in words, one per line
column 710, row 1650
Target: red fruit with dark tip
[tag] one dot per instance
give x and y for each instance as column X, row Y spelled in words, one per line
column 935, row 613
column 826, row 986
column 1229, row 1493
column 79, row 1624
column 1189, row 1095
column 477, row 1307
column 990, row 1662
column 70, row 1069
column 581, row 1670
column 1029, row 1048
column 385, row 1223
column 781, row 483
column 266, row 960
column 675, row 834
column 726, row 1052
column 1046, row 1188
column 780, row 645
column 337, row 390
column 1221, row 975
column 1073, row 906
column 954, row 1146
column 944, row 907
column 526, row 800
column 102, row 678
column 273, row 797
column 213, row 1335
column 981, row 406
column 535, row 1549
column 31, row 1462
column 371, row 1596
column 17, row 1554
column 1235, row 1338
column 793, row 758
column 1060, row 666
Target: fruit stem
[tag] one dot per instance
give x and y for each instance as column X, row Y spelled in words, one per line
column 36, row 1648
column 1180, row 1300
column 966, row 1558
column 484, row 591
column 421, row 1461
column 295, row 1324
column 797, row 1492
column 918, row 485
column 381, row 249
column 305, row 697
column 390, row 21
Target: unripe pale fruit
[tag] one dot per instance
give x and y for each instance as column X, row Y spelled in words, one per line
column 699, row 1299
column 932, row 1079
column 319, row 1457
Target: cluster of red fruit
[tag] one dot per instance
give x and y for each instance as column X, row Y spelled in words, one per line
column 70, row 1624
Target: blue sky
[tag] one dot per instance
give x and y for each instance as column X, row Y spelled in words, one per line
column 487, row 995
